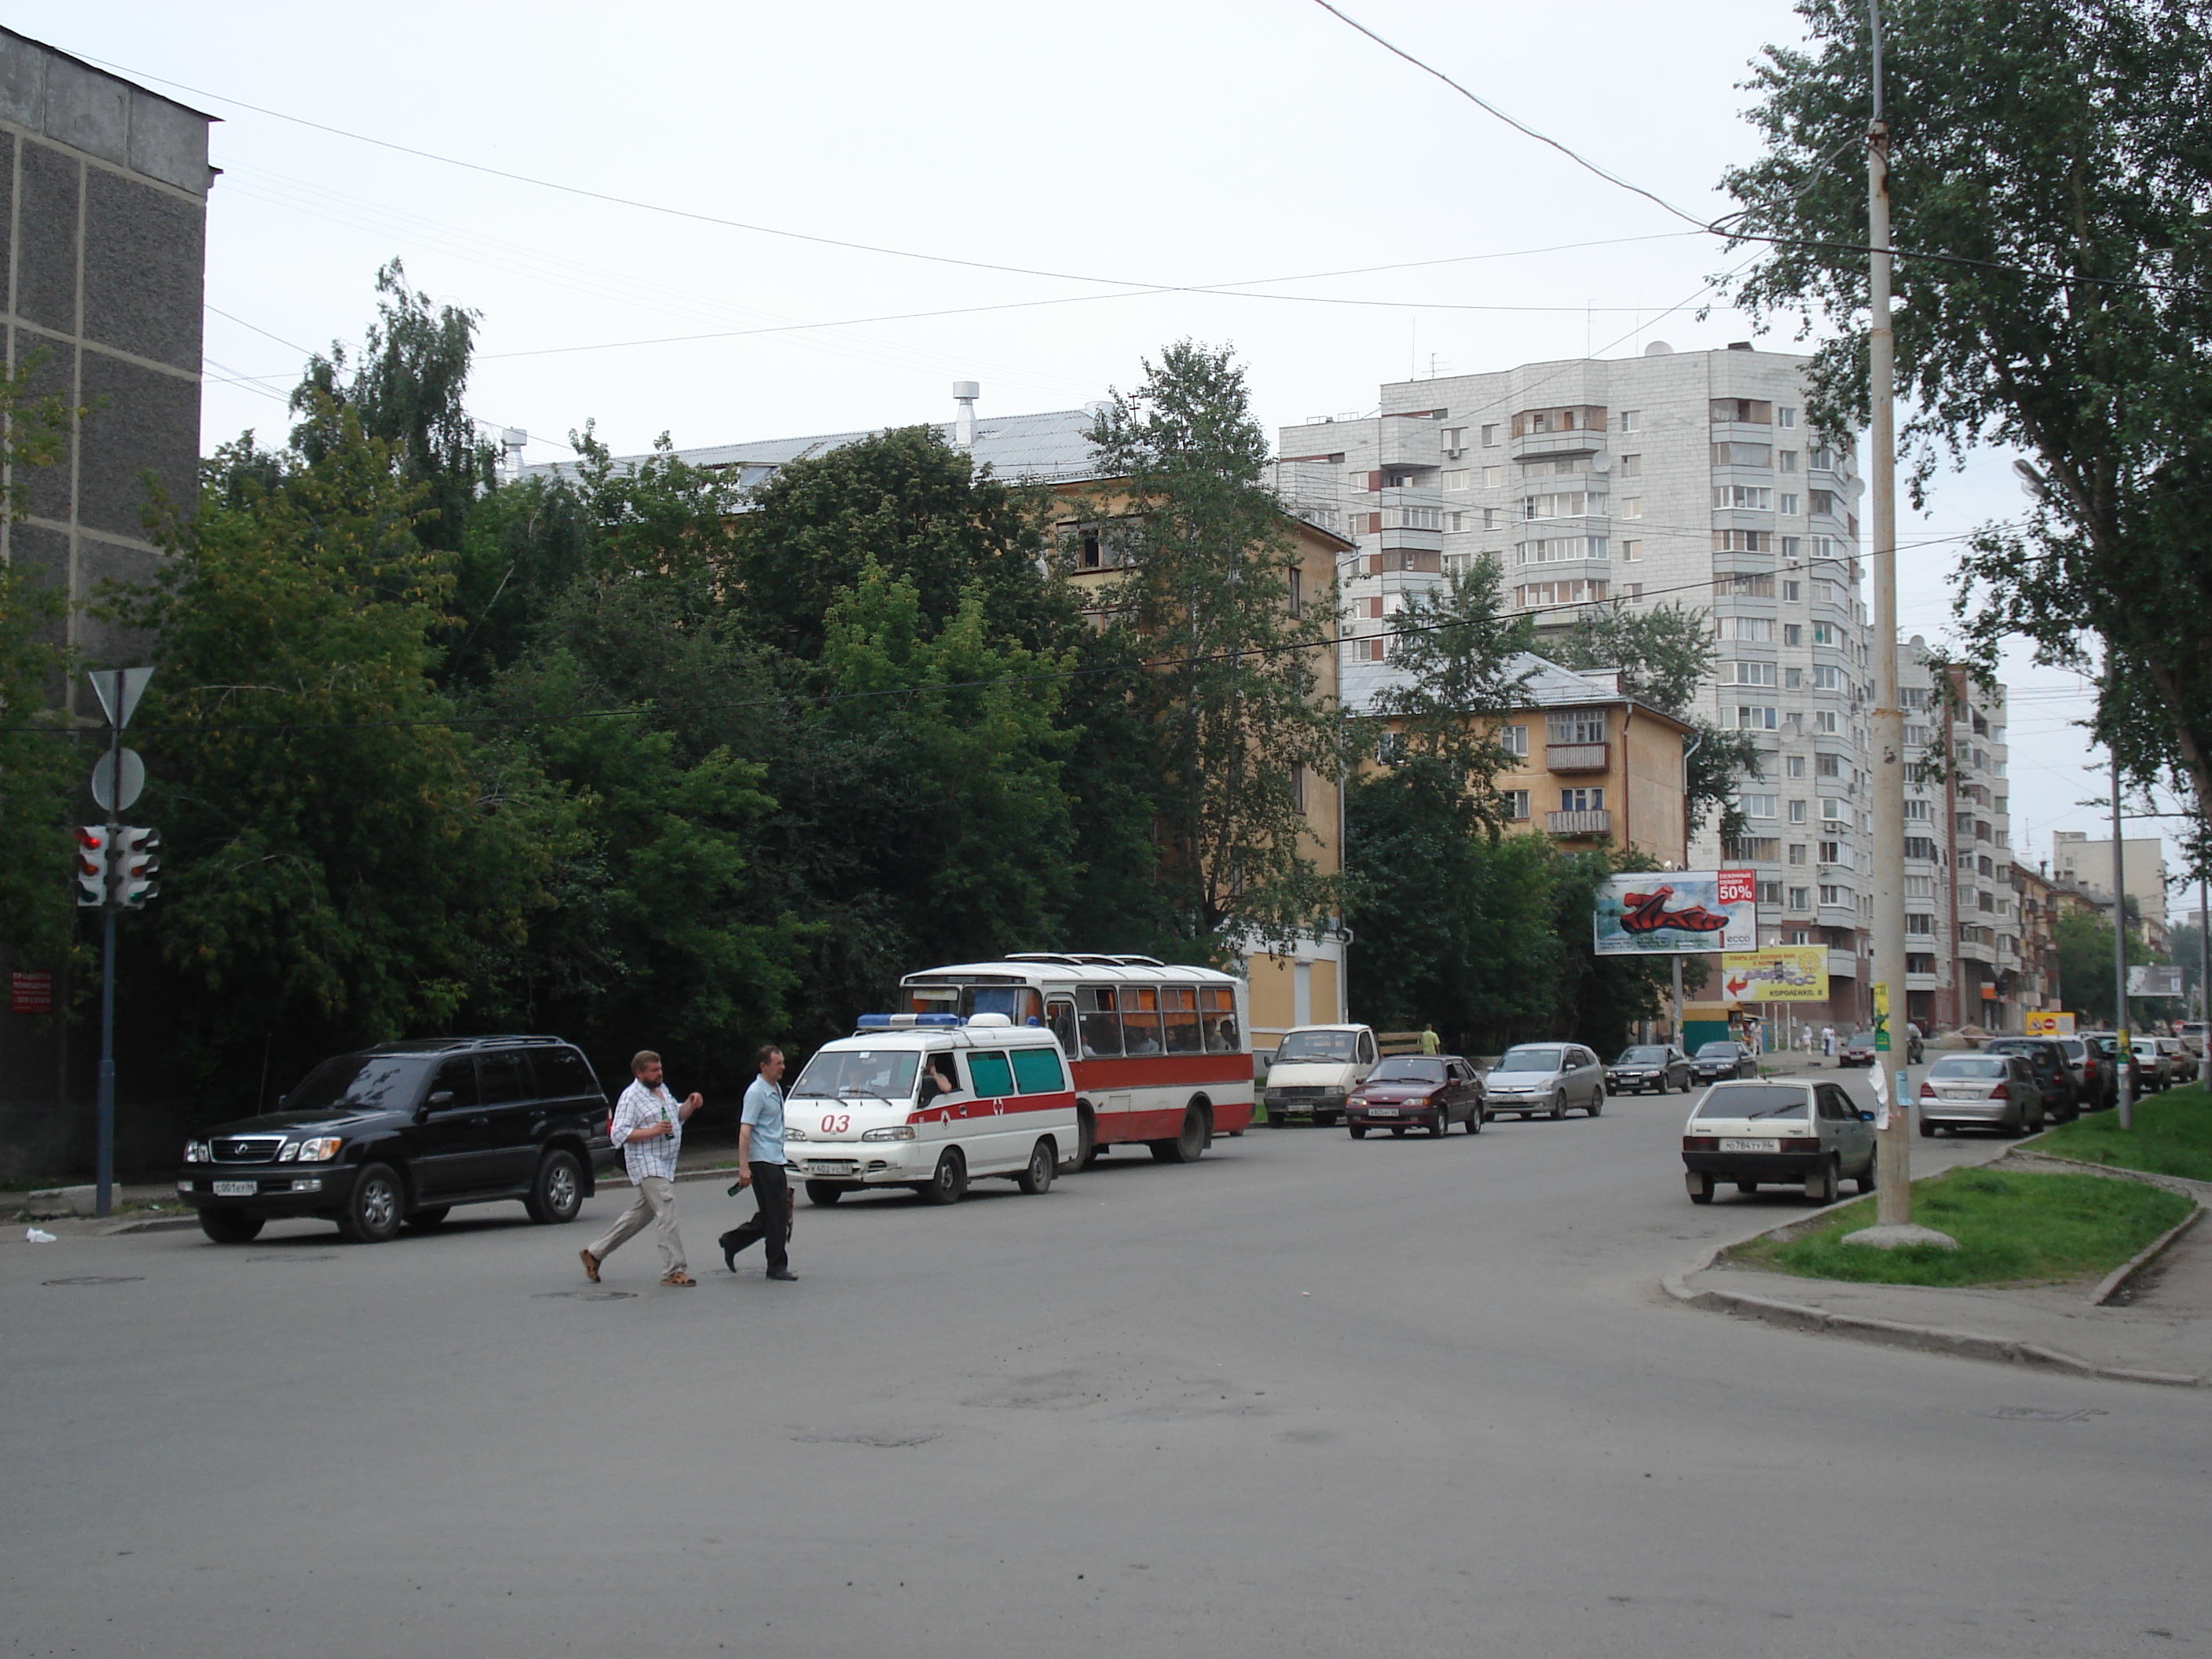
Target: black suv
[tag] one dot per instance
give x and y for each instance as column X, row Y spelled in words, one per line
column 404, row 1131
column 2062, row 1095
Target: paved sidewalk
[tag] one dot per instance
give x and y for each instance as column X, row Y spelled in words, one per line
column 2159, row 1328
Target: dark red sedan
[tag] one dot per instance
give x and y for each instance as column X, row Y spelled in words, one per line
column 1406, row 1090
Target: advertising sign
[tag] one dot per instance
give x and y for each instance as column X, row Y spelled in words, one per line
column 2048, row 1022
column 31, row 991
column 1781, row 973
column 2154, row 981
column 1674, row 912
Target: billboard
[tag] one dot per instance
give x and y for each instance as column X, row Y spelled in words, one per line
column 1675, row 911
column 1781, row 973
column 2048, row 1022
column 2154, row 981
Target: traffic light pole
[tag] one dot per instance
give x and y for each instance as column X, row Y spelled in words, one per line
column 105, row 1169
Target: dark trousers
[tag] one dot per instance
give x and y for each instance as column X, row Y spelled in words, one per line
column 772, row 1192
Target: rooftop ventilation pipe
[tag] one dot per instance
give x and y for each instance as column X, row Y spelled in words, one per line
column 965, row 394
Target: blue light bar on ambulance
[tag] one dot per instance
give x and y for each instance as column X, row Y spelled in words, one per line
column 882, row 1022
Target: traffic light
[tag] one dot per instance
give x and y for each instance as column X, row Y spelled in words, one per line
column 90, row 864
column 136, row 862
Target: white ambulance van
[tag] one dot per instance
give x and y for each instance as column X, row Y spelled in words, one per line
column 931, row 1102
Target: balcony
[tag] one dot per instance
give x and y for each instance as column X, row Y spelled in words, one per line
column 1578, row 756
column 1844, row 964
column 1556, row 446
column 1598, row 822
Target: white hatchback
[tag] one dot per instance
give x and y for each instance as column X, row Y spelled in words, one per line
column 1777, row 1133
column 931, row 1102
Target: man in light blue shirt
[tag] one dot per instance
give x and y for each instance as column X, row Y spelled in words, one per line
column 761, row 1166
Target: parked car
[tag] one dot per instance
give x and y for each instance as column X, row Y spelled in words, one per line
column 1433, row 1091
column 1856, row 1049
column 2192, row 1035
column 1981, row 1091
column 1777, row 1131
column 2106, row 1047
column 2093, row 1074
column 1724, row 1058
column 1656, row 1067
column 403, row 1133
column 1314, row 1070
column 2174, row 1063
column 1547, row 1078
column 2054, row 1075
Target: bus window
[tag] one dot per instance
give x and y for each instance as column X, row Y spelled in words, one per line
column 932, row 999
column 1061, row 1016
column 1179, row 1004
column 1101, row 1027
column 1036, row 1072
column 1140, row 1019
column 1219, row 1006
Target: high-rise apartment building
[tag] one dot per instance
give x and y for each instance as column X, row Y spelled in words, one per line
column 1965, row 964
column 1687, row 478
column 2088, row 864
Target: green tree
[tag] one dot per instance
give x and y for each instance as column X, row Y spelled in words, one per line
column 1236, row 721
column 2053, row 161
column 39, row 767
column 2085, row 964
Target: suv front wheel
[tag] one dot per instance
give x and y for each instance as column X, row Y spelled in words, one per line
column 373, row 1208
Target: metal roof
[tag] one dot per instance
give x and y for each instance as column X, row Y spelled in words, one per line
column 1052, row 447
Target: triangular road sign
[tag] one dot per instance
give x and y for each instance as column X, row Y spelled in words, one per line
column 119, row 690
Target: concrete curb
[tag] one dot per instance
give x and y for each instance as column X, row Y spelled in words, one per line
column 1932, row 1339
column 2116, row 1281
column 156, row 1224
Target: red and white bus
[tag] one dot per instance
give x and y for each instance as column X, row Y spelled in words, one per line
column 1161, row 1055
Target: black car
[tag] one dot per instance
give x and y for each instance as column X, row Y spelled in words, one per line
column 1656, row 1066
column 1718, row 1060
column 2054, row 1073
column 404, row 1132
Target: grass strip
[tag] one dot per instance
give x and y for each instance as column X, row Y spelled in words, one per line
column 2172, row 1136
column 2012, row 1229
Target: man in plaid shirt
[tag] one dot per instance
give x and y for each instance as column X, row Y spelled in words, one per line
column 649, row 1128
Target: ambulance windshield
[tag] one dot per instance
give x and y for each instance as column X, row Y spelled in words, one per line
column 835, row 1073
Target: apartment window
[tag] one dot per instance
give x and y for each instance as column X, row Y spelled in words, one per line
column 1824, row 633
column 1914, row 924
column 1631, row 420
column 1517, row 803
column 1631, row 552
column 1832, row 811
column 1829, row 766
column 1832, row 851
column 1514, row 739
column 1800, row 898
column 1789, row 510
column 1742, row 585
column 1770, row 892
column 1370, row 608
column 1755, row 673
column 1746, row 541
column 1793, row 592
column 1920, row 846
column 1490, row 437
column 1830, row 894
column 1789, row 460
column 1454, row 521
column 1631, row 506
column 1916, row 809
column 1745, row 497
column 1372, row 650
column 1758, row 630
column 1631, row 466
column 1581, row 800
column 1493, row 477
column 1794, row 766
column 1565, row 505
column 1821, row 459
column 1792, row 546
column 1749, row 719
column 1824, row 500
column 1824, row 722
column 1785, row 417
column 1920, row 887
column 1793, row 679
column 1827, row 679
column 1587, row 726
column 1758, row 807
column 1552, row 550
column 1799, row 936
column 1633, row 590
column 1797, row 852
column 1454, row 437
column 1298, row 788
column 1456, row 478
column 1744, row 411
column 1796, row 812
column 1490, row 516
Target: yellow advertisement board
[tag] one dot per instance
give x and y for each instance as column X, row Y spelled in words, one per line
column 2048, row 1022
column 1783, row 973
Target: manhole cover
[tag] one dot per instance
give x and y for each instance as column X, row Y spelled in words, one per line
column 97, row 1279
column 584, row 1295
column 864, row 1439
column 2040, row 1413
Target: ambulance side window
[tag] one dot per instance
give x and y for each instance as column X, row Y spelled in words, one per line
column 988, row 1070
column 1036, row 1071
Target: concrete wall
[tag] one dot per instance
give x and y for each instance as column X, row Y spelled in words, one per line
column 103, row 214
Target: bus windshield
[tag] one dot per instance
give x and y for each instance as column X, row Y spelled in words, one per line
column 836, row 1072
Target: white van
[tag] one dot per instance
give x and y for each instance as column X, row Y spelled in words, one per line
column 931, row 1102
column 1314, row 1069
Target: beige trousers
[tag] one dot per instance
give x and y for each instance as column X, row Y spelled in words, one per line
column 656, row 1197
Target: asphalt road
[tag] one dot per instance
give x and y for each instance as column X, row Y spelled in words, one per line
column 1304, row 1397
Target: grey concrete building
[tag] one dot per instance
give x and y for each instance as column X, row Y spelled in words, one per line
column 105, row 222
column 103, row 217
column 1673, row 478
column 2076, row 858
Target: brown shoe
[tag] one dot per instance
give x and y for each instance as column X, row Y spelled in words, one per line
column 591, row 1266
column 679, row 1277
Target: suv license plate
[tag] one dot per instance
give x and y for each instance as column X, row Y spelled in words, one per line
column 1382, row 1111
column 1751, row 1146
column 236, row 1188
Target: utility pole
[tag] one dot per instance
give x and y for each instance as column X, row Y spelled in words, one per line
column 2203, row 987
column 1894, row 1203
column 104, row 1167
column 2127, row 1095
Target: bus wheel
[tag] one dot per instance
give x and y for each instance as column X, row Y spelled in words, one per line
column 1086, row 1137
column 1190, row 1141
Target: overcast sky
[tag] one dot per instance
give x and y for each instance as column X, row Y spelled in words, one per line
column 1077, row 156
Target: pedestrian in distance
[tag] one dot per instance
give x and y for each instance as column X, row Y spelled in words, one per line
column 1828, row 1041
column 648, row 1125
column 761, row 1166
column 1431, row 1042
